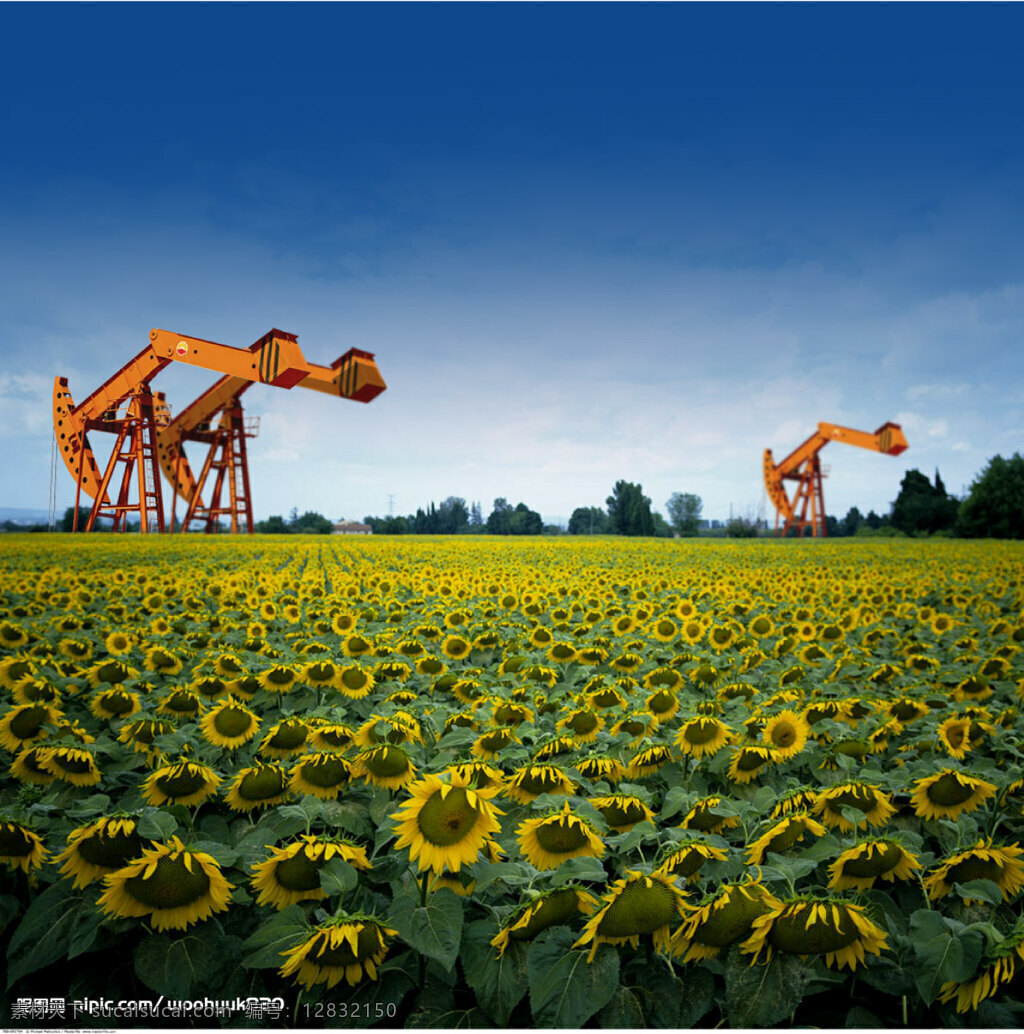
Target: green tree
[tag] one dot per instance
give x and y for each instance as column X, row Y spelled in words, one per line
column 852, row 521
column 921, row 507
column 684, row 512
column 274, row 525
column 629, row 510
column 994, row 507
column 588, row 520
column 311, row 523
column 452, row 516
column 499, row 521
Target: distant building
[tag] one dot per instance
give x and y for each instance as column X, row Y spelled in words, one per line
column 351, row 528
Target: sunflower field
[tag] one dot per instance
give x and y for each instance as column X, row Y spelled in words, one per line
column 550, row 783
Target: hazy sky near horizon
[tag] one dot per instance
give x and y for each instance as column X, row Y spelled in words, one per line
column 586, row 242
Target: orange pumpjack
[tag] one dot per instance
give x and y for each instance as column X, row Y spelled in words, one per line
column 803, row 466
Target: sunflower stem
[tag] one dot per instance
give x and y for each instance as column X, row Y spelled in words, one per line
column 904, row 1009
column 295, row 1013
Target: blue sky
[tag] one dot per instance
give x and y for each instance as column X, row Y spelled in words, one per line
column 586, row 242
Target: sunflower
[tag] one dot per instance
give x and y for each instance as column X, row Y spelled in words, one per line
column 348, row 946
column 703, row 817
column 258, row 786
column 479, row 774
column 721, row 920
column 783, row 835
column 182, row 703
column 583, row 724
column 170, row 884
column 292, row 873
column 601, row 766
column 998, row 966
column 20, row 848
column 702, row 737
column 686, row 859
column 114, row 703
column 23, row 725
column 74, row 765
column 647, row 761
column 31, row 690
column 27, row 767
column 530, row 781
column 142, row 732
column 400, row 727
column 488, row 746
column 100, row 848
column 874, row 805
column 162, row 661
column 332, row 736
column 637, row 726
column 13, row 669
column 229, row 724
column 551, row 839
column 948, row 794
column 984, row 861
column 320, row 775
column 109, row 672
column 634, row 906
column 183, row 782
column 749, row 762
column 445, row 824
column 386, row 765
column 285, row 739
column 832, row 928
column 858, row 867
column 552, row 908
column 786, row 733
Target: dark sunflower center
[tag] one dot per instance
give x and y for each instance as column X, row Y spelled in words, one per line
column 14, row 842
column 71, row 764
column 790, row 933
column 661, row 702
column 639, row 909
column 171, row 885
column 874, row 863
column 852, row 748
column 210, row 687
column 539, row 781
column 726, row 925
column 449, row 820
column 560, row 837
column 325, row 773
column 858, row 798
column 116, row 703
column 298, row 872
column 232, row 721
column 751, row 760
column 623, row 814
column 783, row 735
column 702, row 731
column 261, row 784
column 320, row 672
column 182, row 703
column 584, row 722
column 556, row 909
column 27, row 723
column 367, row 941
column 111, row 852
column 495, row 741
column 687, row 862
column 335, row 738
column 354, row 679
column 288, row 737
column 786, row 839
column 181, row 782
column 387, row 763
column 949, row 791
column 975, row 869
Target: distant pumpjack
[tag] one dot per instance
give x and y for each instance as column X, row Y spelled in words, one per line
column 803, row 466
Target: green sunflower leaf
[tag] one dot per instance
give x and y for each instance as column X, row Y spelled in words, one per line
column 498, row 983
column 337, row 877
column 157, row 825
column 762, row 996
column 278, row 934
column 566, row 990
column 176, row 965
column 433, row 929
column 623, row 1011
column 980, row 890
column 579, row 869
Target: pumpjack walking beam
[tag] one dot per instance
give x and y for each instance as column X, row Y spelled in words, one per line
column 803, row 466
column 125, row 406
column 354, row 376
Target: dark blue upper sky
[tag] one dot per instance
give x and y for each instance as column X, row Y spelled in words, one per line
column 638, row 241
